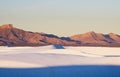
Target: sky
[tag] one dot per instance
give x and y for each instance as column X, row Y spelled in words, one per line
column 62, row 17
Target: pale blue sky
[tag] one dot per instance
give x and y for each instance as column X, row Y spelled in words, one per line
column 62, row 17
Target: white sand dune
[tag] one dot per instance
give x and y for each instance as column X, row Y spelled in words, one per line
column 15, row 64
column 45, row 56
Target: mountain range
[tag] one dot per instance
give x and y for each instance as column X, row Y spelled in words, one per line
column 11, row 36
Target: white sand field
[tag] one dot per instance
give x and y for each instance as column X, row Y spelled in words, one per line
column 45, row 56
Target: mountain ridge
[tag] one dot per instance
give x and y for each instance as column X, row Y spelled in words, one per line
column 11, row 36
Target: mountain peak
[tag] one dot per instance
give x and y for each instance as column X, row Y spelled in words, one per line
column 91, row 32
column 7, row 26
column 112, row 34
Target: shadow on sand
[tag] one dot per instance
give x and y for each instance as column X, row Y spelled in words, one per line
column 58, row 47
column 63, row 71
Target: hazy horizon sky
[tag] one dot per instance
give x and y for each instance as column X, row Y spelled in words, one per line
column 62, row 17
